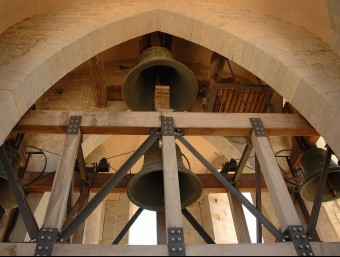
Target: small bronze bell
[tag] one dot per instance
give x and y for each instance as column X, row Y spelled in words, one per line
column 312, row 164
column 146, row 188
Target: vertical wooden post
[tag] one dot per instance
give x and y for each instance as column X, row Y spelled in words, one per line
column 161, row 229
column 98, row 73
column 57, row 204
column 281, row 199
column 172, row 199
column 240, row 223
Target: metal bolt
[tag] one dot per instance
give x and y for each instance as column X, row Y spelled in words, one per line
column 173, row 239
column 49, row 238
column 286, row 237
column 307, row 246
column 61, row 240
column 294, row 229
column 297, row 236
column 301, row 246
column 178, row 232
column 40, row 247
column 180, row 249
column 309, row 238
column 283, row 240
column 303, row 236
column 304, row 254
column 300, row 229
column 179, row 239
column 310, row 254
column 47, row 248
column 173, row 249
column 172, row 231
column 42, row 237
column 44, row 230
column 51, row 230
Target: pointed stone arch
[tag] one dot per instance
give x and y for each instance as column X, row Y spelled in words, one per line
column 269, row 48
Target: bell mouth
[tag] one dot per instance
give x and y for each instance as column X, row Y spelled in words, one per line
column 146, row 189
column 310, row 187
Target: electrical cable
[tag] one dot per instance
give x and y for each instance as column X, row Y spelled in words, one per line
column 119, row 155
column 187, row 161
column 43, row 170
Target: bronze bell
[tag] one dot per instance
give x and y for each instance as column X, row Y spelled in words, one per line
column 157, row 63
column 7, row 199
column 312, row 164
column 146, row 188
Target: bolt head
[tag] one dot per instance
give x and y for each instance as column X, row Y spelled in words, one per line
column 44, row 230
column 40, row 247
column 307, row 246
column 47, row 248
column 297, row 236
column 172, row 231
column 173, row 239
column 178, row 232
column 180, row 249
column 42, row 237
column 61, row 240
column 173, row 249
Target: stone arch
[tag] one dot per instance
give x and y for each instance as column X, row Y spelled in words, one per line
column 267, row 47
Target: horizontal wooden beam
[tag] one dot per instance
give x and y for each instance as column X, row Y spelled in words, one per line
column 140, row 123
column 275, row 249
column 247, row 182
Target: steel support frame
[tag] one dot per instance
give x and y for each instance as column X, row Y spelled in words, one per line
column 107, row 188
column 237, row 194
column 127, row 226
column 197, row 226
column 311, row 227
column 258, row 199
column 26, row 212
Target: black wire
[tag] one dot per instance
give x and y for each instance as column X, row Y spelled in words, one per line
column 237, row 142
column 250, row 167
column 12, row 224
column 119, row 155
column 283, row 150
column 42, row 172
column 43, row 150
column 187, row 161
column 291, row 182
column 113, row 168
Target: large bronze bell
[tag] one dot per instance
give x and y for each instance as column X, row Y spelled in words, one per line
column 146, row 188
column 312, row 164
column 7, row 199
column 157, row 66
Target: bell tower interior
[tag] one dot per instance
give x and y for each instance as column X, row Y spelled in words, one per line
column 205, row 113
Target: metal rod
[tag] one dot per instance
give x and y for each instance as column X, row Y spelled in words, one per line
column 238, row 195
column 258, row 199
column 108, row 186
column 197, row 227
column 243, row 162
column 311, row 227
column 127, row 226
column 26, row 213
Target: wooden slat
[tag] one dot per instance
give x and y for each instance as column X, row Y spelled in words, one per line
column 280, row 196
column 244, row 101
column 275, row 249
column 259, row 102
column 228, row 101
column 140, row 123
column 172, row 198
column 98, row 73
column 239, row 219
column 57, row 204
column 255, row 99
column 245, row 184
column 162, row 97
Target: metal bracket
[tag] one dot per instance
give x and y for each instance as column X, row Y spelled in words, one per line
column 176, row 244
column 298, row 236
column 46, row 240
column 258, row 128
column 167, row 126
column 74, row 125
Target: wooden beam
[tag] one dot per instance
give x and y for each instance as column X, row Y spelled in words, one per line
column 98, row 74
column 280, row 196
column 239, row 218
column 172, row 198
column 247, row 182
column 56, row 208
column 275, row 249
column 140, row 123
column 162, row 97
